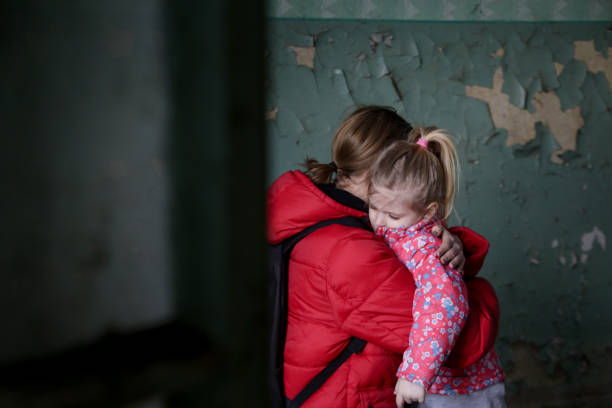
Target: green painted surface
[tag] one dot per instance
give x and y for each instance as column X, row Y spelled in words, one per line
column 436, row 10
column 552, row 281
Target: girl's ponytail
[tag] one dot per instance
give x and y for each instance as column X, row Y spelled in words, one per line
column 425, row 164
column 440, row 144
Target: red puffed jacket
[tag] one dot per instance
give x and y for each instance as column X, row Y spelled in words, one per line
column 345, row 281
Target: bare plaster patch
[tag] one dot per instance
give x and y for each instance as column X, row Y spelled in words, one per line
column 271, row 114
column 589, row 238
column 527, row 368
column 520, row 123
column 594, row 60
column 304, row 55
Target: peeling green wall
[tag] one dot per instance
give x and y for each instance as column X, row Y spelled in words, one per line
column 547, row 220
column 468, row 10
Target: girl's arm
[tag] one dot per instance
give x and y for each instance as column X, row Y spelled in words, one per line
column 439, row 312
column 371, row 294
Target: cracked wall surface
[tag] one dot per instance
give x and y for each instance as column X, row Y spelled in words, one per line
column 520, row 124
column 468, row 10
column 529, row 105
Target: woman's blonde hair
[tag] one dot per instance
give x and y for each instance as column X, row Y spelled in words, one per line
column 358, row 142
column 430, row 171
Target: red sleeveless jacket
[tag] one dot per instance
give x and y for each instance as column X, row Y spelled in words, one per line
column 346, row 282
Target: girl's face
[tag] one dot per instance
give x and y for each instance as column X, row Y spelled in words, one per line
column 393, row 209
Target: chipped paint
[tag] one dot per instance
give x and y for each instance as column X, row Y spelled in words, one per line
column 584, row 258
column 304, row 56
column 585, row 51
column 563, row 124
column 428, row 10
column 527, row 367
column 378, row 38
column 533, row 211
column 589, row 238
column 271, row 114
column 534, row 261
column 574, row 260
column 520, row 123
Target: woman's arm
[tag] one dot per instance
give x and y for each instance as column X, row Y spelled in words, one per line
column 475, row 247
column 451, row 250
column 462, row 248
column 371, row 293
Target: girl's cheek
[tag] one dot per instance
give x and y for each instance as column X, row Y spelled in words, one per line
column 375, row 218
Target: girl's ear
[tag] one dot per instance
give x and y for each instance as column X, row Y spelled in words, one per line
column 431, row 210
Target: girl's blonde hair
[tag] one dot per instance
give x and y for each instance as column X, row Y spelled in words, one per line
column 431, row 172
column 358, row 142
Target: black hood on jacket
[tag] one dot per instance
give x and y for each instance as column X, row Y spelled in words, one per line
column 343, row 197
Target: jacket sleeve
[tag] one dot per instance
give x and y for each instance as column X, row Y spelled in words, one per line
column 480, row 331
column 370, row 291
column 475, row 248
column 439, row 310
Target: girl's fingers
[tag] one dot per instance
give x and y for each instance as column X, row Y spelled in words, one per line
column 399, row 401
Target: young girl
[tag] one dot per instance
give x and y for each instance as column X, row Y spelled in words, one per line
column 412, row 188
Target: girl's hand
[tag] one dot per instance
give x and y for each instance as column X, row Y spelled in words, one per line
column 405, row 391
column 451, row 250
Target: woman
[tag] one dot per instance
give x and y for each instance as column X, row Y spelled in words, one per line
column 345, row 282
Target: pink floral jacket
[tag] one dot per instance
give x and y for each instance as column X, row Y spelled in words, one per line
column 439, row 312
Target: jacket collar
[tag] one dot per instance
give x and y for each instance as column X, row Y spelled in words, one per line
column 343, row 197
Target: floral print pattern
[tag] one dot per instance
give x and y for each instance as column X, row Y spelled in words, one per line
column 440, row 309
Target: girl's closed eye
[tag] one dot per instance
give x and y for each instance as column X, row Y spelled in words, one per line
column 394, row 217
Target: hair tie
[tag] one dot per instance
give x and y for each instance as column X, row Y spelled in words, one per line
column 334, row 166
column 422, row 142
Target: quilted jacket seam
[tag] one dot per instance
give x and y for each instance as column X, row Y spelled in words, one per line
column 359, row 302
